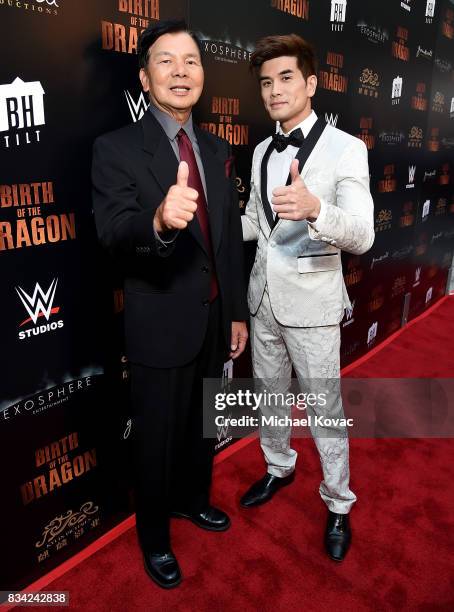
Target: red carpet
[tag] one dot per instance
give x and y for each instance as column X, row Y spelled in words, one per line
column 272, row 557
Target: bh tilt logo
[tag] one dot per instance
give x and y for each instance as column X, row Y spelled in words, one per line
column 21, row 112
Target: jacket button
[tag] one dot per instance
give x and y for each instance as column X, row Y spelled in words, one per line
column 205, row 269
column 206, row 303
column 272, row 244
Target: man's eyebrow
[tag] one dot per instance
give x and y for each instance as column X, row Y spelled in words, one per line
column 281, row 73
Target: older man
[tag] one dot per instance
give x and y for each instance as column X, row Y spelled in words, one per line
column 166, row 207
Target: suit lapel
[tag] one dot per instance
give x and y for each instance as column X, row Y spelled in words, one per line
column 305, row 151
column 163, row 162
column 163, row 165
column 308, row 145
column 214, row 171
column 317, row 149
column 264, row 186
column 302, row 157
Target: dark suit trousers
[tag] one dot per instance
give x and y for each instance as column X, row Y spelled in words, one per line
column 172, row 461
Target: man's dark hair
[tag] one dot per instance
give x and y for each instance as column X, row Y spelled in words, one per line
column 289, row 44
column 152, row 33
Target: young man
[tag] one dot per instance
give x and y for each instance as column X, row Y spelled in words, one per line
column 166, row 207
column 310, row 199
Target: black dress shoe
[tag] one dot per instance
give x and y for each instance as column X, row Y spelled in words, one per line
column 264, row 489
column 163, row 568
column 338, row 535
column 211, row 519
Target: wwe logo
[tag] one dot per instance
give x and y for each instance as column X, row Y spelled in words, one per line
column 223, row 430
column 349, row 314
column 417, row 275
column 411, row 177
column 137, row 109
column 40, row 303
column 349, row 311
column 331, row 119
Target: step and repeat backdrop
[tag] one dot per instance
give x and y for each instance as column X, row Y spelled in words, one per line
column 386, row 75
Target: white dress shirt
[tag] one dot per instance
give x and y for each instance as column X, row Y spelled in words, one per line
column 279, row 163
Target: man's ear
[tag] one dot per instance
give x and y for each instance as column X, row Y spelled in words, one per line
column 311, row 85
column 143, row 76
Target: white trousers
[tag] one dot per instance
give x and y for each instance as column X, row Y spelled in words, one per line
column 314, row 353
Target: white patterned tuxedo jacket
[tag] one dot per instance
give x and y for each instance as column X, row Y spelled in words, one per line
column 300, row 261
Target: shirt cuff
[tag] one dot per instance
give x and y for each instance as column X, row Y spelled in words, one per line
column 317, row 225
column 170, row 237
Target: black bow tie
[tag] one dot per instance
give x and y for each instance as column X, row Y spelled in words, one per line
column 281, row 142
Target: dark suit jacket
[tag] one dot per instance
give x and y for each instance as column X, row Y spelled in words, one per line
column 166, row 289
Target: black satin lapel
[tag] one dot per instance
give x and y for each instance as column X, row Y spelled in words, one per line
column 308, row 145
column 264, row 186
column 214, row 171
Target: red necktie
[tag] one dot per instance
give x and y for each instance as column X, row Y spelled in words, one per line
column 194, row 181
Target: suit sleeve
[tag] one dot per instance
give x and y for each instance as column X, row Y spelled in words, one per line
column 349, row 225
column 249, row 220
column 240, row 311
column 123, row 226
